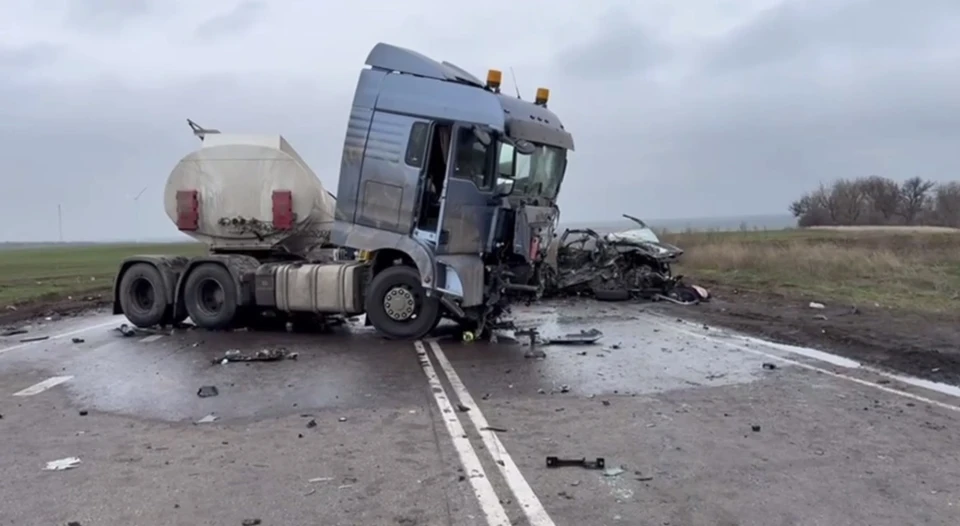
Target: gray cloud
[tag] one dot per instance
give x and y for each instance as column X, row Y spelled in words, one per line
column 618, row 47
column 237, row 20
column 28, row 57
column 677, row 110
column 100, row 15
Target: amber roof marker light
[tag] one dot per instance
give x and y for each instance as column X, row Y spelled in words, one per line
column 494, row 76
column 543, row 95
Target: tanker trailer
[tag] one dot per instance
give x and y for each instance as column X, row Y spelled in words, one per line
column 262, row 212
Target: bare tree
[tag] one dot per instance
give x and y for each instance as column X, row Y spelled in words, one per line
column 884, row 198
column 846, row 202
column 946, row 202
column 915, row 196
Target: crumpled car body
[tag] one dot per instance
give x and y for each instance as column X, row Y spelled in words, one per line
column 629, row 263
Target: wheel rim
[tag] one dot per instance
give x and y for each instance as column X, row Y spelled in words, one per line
column 401, row 304
column 210, row 296
column 142, row 294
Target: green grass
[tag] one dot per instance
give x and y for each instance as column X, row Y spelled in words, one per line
column 57, row 272
column 917, row 271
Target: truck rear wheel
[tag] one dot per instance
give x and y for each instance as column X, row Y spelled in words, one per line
column 142, row 295
column 398, row 307
column 210, row 295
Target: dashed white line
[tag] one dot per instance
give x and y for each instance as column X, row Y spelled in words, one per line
column 40, row 387
column 526, row 498
column 486, row 496
column 151, row 338
column 59, row 336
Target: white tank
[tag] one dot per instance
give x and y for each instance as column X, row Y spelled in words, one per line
column 235, row 177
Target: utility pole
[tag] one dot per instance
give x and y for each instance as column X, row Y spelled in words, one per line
column 60, row 222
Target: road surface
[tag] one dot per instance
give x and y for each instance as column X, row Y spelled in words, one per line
column 693, row 427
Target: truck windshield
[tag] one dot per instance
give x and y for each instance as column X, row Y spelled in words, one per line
column 536, row 175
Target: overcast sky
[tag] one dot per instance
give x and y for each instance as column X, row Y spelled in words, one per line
column 678, row 109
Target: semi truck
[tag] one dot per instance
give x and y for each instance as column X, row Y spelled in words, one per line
column 445, row 207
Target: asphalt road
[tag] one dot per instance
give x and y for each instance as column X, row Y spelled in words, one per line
column 694, row 429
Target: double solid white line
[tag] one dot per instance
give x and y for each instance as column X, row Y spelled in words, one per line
column 486, row 496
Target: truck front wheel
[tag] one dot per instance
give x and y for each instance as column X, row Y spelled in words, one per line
column 142, row 295
column 398, row 307
column 210, row 296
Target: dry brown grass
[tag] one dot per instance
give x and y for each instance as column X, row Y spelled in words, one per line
column 911, row 270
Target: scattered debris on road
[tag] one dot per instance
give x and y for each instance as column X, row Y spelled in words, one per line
column 613, row 472
column 251, row 522
column 263, row 355
column 311, row 424
column 84, row 412
column 817, row 305
column 755, row 428
column 207, row 391
column 78, row 340
column 557, row 462
column 34, row 339
column 494, row 429
column 127, row 330
column 62, row 464
column 342, row 419
column 13, row 332
column 769, row 366
column 584, row 337
column 209, row 419
column 462, row 408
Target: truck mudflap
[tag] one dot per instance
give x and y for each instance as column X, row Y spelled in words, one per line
column 170, row 267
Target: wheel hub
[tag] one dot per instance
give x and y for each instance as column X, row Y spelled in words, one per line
column 399, row 304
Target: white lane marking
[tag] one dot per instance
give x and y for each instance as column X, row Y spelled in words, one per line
column 43, row 386
column 532, row 508
column 59, row 336
column 151, row 338
column 817, row 369
column 487, row 498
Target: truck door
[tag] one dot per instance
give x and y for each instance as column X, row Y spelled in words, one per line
column 467, row 204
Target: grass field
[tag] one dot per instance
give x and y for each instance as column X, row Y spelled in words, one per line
column 36, row 274
column 914, row 270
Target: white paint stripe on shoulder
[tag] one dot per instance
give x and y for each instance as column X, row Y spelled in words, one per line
column 526, row 498
column 59, row 336
column 828, row 372
column 42, row 386
column 482, row 488
column 151, row 338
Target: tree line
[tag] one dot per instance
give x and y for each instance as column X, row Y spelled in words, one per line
column 878, row 200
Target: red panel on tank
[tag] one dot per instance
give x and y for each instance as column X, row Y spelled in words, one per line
column 188, row 210
column 282, row 209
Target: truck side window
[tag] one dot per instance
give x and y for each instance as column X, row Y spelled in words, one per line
column 473, row 160
column 417, row 145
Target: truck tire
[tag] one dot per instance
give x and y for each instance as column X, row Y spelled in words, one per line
column 210, row 295
column 398, row 307
column 142, row 295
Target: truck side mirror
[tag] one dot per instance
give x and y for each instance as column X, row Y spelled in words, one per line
column 504, row 186
column 482, row 135
column 524, row 147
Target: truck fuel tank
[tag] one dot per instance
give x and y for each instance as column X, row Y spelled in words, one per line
column 329, row 288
